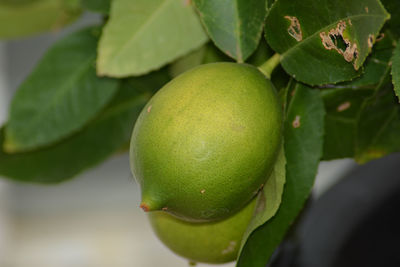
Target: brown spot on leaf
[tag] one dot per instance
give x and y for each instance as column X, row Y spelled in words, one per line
column 343, row 106
column 149, row 109
column 202, row 191
column 165, row 208
column 366, row 9
column 296, row 122
column 294, row 29
column 370, row 41
column 334, row 40
column 187, row 2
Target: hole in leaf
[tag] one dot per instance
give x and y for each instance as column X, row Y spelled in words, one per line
column 339, row 41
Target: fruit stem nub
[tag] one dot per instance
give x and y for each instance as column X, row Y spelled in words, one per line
column 150, row 204
column 268, row 66
column 144, row 207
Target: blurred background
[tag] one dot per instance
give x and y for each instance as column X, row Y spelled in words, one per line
column 92, row 220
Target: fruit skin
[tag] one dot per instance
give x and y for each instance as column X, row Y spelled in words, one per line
column 206, row 142
column 209, row 242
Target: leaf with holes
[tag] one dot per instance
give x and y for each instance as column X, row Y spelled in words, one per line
column 144, row 35
column 396, row 70
column 60, row 96
column 22, row 18
column 324, row 41
column 235, row 26
column 375, row 66
column 303, row 135
column 94, row 143
column 345, row 102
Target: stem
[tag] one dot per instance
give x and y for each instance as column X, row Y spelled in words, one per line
column 268, row 66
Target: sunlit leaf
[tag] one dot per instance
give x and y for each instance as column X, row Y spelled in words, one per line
column 60, row 95
column 23, row 18
column 143, row 35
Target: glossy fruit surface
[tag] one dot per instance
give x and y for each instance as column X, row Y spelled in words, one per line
column 207, row 141
column 210, row 242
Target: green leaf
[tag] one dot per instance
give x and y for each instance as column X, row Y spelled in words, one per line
column 303, row 135
column 262, row 54
column 100, row 6
column 323, row 41
column 60, row 96
column 235, row 26
column 344, row 102
column 97, row 140
column 144, row 35
column 393, row 7
column 209, row 53
column 22, row 18
column 342, row 110
column 269, row 197
column 378, row 128
column 362, row 123
column 396, row 70
column 188, row 61
column 205, row 54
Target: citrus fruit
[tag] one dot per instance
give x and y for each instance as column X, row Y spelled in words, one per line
column 208, row 242
column 206, row 142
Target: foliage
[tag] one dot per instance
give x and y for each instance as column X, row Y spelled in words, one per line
column 338, row 78
column 28, row 17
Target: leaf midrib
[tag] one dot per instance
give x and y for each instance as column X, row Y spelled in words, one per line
column 150, row 19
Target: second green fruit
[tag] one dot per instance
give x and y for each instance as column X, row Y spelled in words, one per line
column 210, row 242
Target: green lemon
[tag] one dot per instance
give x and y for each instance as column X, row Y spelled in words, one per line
column 206, row 142
column 208, row 242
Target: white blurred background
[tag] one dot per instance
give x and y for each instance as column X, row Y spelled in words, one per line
column 94, row 219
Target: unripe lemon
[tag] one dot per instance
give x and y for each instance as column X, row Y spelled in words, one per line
column 206, row 142
column 208, row 242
